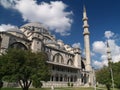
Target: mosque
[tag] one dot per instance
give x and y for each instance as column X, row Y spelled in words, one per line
column 67, row 63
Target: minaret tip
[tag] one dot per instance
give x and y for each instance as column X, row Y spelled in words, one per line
column 85, row 20
column 84, row 8
column 108, row 44
column 84, row 13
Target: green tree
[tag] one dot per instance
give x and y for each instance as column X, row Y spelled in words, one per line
column 25, row 67
column 1, row 73
column 37, row 84
column 116, row 74
column 103, row 77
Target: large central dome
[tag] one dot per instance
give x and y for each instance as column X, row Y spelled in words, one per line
column 34, row 24
column 36, row 27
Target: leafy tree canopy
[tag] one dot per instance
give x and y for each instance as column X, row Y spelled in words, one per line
column 116, row 74
column 103, row 75
column 24, row 67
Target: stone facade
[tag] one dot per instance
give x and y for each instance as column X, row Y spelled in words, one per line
column 65, row 62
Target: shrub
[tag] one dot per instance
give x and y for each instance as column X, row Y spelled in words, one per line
column 68, row 83
column 71, row 84
column 1, row 84
column 37, row 84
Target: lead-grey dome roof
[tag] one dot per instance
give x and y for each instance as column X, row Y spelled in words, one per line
column 35, row 24
column 14, row 30
column 36, row 27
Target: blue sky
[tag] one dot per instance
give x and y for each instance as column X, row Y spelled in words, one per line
column 66, row 22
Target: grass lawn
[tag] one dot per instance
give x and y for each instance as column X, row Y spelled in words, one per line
column 57, row 89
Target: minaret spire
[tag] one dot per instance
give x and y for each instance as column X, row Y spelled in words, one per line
column 109, row 53
column 84, row 8
column 86, row 34
column 84, row 12
column 85, row 21
column 108, row 44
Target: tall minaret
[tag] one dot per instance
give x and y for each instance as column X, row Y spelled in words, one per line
column 86, row 34
column 109, row 53
column 109, row 57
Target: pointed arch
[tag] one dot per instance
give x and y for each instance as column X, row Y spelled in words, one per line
column 56, row 77
column 70, row 62
column 71, row 78
column 75, row 78
column 58, row 58
column 65, row 78
column 61, row 77
column 82, row 65
column 18, row 45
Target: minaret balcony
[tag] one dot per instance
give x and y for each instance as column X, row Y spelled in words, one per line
column 108, row 51
column 86, row 26
column 85, row 19
column 86, row 33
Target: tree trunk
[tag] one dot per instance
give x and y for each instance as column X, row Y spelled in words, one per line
column 25, row 84
column 108, row 87
column 25, row 88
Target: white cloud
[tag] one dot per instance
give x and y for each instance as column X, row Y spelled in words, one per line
column 116, row 58
column 7, row 3
column 108, row 34
column 4, row 27
column 104, row 60
column 98, row 64
column 76, row 45
column 99, row 47
column 53, row 14
column 115, row 49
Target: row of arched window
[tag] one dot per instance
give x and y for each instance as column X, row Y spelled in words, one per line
column 64, row 69
column 59, row 59
column 65, row 78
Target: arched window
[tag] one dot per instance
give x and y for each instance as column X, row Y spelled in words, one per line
column 85, row 79
column 82, row 65
column 18, row 45
column 71, row 79
column 65, row 78
column 58, row 58
column 52, row 78
column 61, row 77
column 75, row 78
column 70, row 62
column 56, row 77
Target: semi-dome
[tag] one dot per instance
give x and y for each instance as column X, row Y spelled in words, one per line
column 15, row 31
